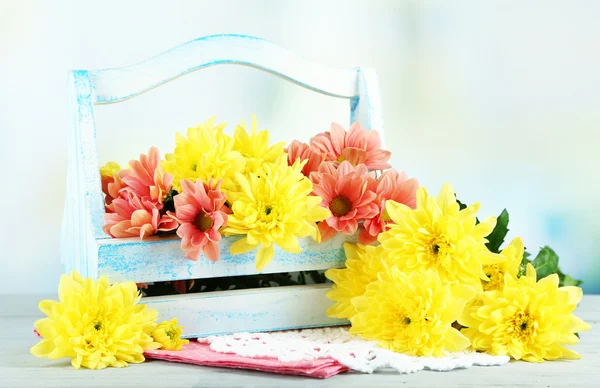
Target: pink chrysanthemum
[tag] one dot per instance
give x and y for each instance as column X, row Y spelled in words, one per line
column 342, row 169
column 391, row 185
column 200, row 211
column 146, row 178
column 111, row 185
column 348, row 197
column 298, row 150
column 134, row 217
column 357, row 146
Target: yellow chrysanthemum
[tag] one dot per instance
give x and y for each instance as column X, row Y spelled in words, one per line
column 363, row 264
column 438, row 236
column 513, row 255
column 412, row 313
column 206, row 153
column 527, row 320
column 255, row 146
column 168, row 335
column 274, row 207
column 110, row 169
column 95, row 324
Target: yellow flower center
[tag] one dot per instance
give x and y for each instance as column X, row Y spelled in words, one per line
column 268, row 212
column 98, row 325
column 170, row 333
column 203, row 222
column 523, row 326
column 340, row 159
column 340, row 206
column 438, row 247
column 401, row 319
column 496, row 278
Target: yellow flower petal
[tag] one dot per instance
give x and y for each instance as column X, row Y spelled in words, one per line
column 446, row 200
column 95, row 324
column 242, row 246
column 363, row 265
column 274, row 206
column 437, row 236
column 167, row 335
column 264, row 257
column 455, row 341
column 409, row 313
column 525, row 319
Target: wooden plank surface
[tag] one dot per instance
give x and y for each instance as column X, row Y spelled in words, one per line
column 20, row 369
column 159, row 259
column 253, row 310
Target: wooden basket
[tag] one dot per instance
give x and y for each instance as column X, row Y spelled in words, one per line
column 87, row 249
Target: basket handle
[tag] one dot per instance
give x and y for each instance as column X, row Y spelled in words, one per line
column 358, row 85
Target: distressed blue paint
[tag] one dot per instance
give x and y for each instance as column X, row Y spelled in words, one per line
column 85, row 143
column 270, row 309
column 163, row 260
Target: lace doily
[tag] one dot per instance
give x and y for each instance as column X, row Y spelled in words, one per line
column 336, row 343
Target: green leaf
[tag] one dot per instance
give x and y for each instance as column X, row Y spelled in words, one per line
column 566, row 280
column 569, row 281
column 545, row 263
column 496, row 238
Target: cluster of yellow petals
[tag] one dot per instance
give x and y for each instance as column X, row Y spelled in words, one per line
column 110, row 169
column 363, row 265
column 98, row 325
column 438, row 236
column 527, row 319
column 207, row 153
column 274, row 207
column 412, row 313
column 432, row 269
column 168, row 335
column 95, row 324
column 255, row 148
column 513, row 255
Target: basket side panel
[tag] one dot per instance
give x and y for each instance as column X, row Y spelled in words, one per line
column 270, row 309
column 163, row 260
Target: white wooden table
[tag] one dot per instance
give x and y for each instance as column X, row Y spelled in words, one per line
column 18, row 368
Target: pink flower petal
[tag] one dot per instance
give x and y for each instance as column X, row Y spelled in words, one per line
column 211, row 251
column 193, row 255
column 141, row 217
column 327, row 232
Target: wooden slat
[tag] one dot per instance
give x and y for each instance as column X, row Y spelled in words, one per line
column 114, row 85
column 160, row 259
column 265, row 309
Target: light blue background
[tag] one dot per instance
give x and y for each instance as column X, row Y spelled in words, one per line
column 500, row 98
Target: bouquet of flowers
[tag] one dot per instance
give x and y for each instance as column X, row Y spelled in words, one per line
column 213, row 184
column 427, row 277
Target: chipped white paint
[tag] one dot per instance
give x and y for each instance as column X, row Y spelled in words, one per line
column 87, row 249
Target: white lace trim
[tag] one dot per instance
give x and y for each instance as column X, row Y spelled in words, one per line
column 355, row 353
